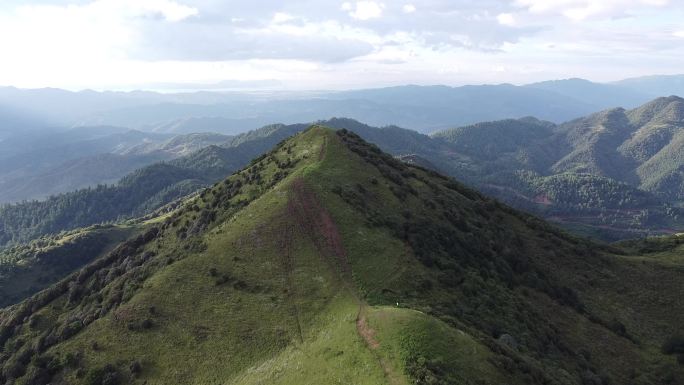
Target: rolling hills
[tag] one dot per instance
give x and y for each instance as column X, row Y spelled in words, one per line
column 630, row 157
column 328, row 261
column 525, row 162
column 36, row 165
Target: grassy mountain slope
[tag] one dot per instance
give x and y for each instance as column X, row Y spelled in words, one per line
column 327, row 261
column 137, row 193
column 505, row 143
column 593, row 142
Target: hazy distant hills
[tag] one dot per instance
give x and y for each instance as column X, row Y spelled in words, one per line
column 422, row 108
column 600, row 95
column 38, row 165
column 657, row 85
column 13, row 121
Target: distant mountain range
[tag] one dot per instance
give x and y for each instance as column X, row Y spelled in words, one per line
column 422, row 108
column 657, row 85
column 37, row 164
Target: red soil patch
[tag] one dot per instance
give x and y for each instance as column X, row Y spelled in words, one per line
column 317, row 223
column 366, row 332
column 542, row 199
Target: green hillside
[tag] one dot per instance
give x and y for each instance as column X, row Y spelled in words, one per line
column 27, row 269
column 640, row 146
column 327, row 261
column 615, row 174
column 632, row 157
column 138, row 193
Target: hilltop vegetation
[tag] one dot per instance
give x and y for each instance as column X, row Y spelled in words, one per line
column 329, row 259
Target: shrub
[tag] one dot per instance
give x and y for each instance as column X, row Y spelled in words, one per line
column 618, row 328
column 135, row 367
column 674, row 345
column 147, row 324
column 107, row 375
column 71, row 360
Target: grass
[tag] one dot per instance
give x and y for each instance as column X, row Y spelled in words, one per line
column 332, row 353
column 282, row 324
column 416, row 342
column 312, row 273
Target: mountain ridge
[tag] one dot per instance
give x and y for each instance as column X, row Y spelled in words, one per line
column 327, row 258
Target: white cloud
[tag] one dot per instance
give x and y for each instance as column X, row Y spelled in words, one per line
column 171, row 10
column 408, row 8
column 101, row 29
column 314, row 44
column 281, row 17
column 364, row 10
column 578, row 10
column 506, row 19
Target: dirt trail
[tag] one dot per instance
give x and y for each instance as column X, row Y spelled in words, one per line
column 368, row 335
column 317, row 223
column 366, row 332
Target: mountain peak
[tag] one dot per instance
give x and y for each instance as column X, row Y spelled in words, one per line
column 663, row 109
column 327, row 258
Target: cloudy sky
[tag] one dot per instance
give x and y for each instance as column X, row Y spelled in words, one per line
column 333, row 44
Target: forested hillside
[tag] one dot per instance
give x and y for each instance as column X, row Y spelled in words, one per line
column 26, row 269
column 327, row 258
column 617, row 171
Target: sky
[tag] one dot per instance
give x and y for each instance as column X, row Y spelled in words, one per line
column 333, row 44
